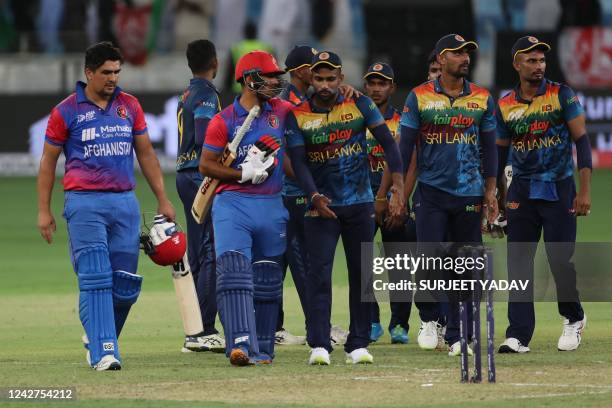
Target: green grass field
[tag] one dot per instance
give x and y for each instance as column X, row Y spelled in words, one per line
column 40, row 336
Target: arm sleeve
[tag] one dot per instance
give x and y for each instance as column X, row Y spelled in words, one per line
column 489, row 157
column 503, row 133
column 502, row 159
column 392, row 155
column 370, row 112
column 57, row 131
column 583, row 152
column 293, row 134
column 140, row 124
column 410, row 115
column 297, row 154
column 408, row 138
column 570, row 105
column 216, row 135
column 488, row 122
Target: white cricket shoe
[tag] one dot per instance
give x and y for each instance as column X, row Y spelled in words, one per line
column 428, row 335
column 338, row 335
column 284, row 338
column 572, row 335
column 513, row 345
column 212, row 342
column 107, row 363
column 319, row 356
column 359, row 356
column 455, row 349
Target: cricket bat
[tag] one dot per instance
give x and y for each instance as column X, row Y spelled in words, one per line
column 187, row 297
column 204, row 197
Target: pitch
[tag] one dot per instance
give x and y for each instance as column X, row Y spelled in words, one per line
column 41, row 347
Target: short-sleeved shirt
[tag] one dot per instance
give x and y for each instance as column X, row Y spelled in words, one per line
column 97, row 143
column 295, row 97
column 448, row 146
column 200, row 101
column 336, row 148
column 224, row 126
column 376, row 154
column 541, row 143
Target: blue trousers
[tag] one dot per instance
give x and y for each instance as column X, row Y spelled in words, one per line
column 200, row 249
column 527, row 218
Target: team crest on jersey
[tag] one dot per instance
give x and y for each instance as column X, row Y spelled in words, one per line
column 273, row 121
column 459, row 38
column 377, row 67
column 324, row 56
column 532, row 39
column 512, row 205
column 122, row 112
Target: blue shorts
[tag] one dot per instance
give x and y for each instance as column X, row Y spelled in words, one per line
column 254, row 225
column 104, row 219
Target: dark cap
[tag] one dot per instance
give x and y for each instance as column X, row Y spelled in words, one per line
column 380, row 69
column 326, row 58
column 453, row 42
column 300, row 56
column 526, row 44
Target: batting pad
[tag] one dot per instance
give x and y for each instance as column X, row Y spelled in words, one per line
column 96, row 302
column 126, row 288
column 235, row 301
column 268, row 280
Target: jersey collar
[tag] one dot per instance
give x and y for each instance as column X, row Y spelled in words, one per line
column 293, row 89
column 466, row 87
column 541, row 91
column 388, row 114
column 82, row 98
column 240, row 111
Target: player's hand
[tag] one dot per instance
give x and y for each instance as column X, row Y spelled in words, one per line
column 380, row 210
column 46, row 225
column 260, row 161
column 321, row 204
column 397, row 203
column 166, row 208
column 490, row 201
column 582, row 203
column 397, row 222
column 348, row 91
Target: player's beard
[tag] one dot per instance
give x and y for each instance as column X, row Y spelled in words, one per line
column 327, row 95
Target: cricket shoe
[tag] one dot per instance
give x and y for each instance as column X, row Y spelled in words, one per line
column 338, row 335
column 239, row 356
column 86, row 345
column 319, row 356
column 455, row 350
column 399, row 335
column 428, row 335
column 108, row 362
column 359, row 356
column 212, row 342
column 513, row 345
column 376, row 332
column 572, row 335
column 261, row 359
column 284, row 338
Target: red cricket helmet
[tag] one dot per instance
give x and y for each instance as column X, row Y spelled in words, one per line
column 261, row 62
column 171, row 250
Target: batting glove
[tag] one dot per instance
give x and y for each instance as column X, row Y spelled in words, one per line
column 260, row 161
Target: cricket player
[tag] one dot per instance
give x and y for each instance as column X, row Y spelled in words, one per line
column 379, row 85
column 450, row 120
column 197, row 106
column 248, row 215
column 99, row 128
column 538, row 121
column 326, row 138
column 433, row 66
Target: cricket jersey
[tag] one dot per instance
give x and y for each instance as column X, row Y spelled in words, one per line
column 97, row 143
column 376, row 154
column 197, row 105
column 336, row 148
column 448, row 146
column 541, row 144
column 271, row 122
column 291, row 94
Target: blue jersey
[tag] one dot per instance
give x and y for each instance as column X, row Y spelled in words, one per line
column 98, row 143
column 224, row 126
column 336, row 148
column 541, row 144
column 448, row 147
column 196, row 107
column 295, row 97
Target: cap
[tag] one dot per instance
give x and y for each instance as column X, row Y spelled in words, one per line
column 326, row 58
column 526, row 44
column 380, row 69
column 257, row 61
column 300, row 56
column 453, row 42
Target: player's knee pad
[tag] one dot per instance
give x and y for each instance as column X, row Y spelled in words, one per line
column 96, row 302
column 268, row 281
column 234, row 271
column 126, row 287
